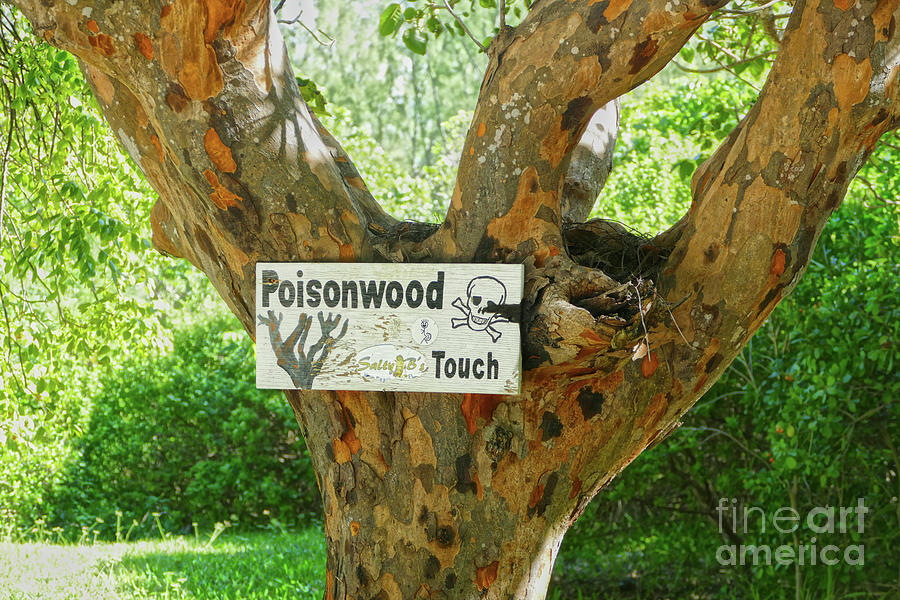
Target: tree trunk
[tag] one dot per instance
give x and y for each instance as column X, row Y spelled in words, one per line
column 451, row 496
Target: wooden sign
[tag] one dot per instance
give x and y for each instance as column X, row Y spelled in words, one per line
column 399, row 327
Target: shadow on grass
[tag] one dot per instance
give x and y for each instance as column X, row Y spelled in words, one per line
column 257, row 566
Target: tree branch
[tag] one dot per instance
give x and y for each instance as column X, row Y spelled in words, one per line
column 545, row 80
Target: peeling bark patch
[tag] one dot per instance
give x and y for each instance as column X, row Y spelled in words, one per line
column 485, row 576
column 221, row 13
column 479, row 405
column 778, row 260
column 616, row 8
column 643, row 54
column 481, row 129
column 551, row 426
column 542, row 495
column 154, row 139
column 221, row 196
column 649, row 364
column 176, row 99
column 218, row 152
column 204, row 242
column 714, row 362
column 591, row 403
column 576, row 112
column 92, row 26
column 851, row 80
column 145, row 46
column 103, row 44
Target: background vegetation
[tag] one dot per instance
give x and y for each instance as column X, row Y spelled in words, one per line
column 127, row 405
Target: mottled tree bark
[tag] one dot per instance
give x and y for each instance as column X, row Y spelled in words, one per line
column 452, row 496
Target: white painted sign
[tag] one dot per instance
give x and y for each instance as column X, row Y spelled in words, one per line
column 399, row 327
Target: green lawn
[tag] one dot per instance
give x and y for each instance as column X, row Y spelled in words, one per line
column 256, row 566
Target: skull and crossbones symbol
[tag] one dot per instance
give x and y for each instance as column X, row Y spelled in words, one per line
column 484, row 296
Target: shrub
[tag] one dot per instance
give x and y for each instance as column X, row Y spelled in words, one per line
column 188, row 436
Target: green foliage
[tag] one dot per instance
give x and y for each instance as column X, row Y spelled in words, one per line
column 807, row 416
column 79, row 285
column 187, row 435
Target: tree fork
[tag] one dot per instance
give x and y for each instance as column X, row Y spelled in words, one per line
column 447, row 496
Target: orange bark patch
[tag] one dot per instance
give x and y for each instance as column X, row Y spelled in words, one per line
column 485, row 576
column 102, row 84
column 576, row 487
column 355, row 182
column 521, row 222
column 844, row 4
column 851, row 80
column 554, row 146
column 329, row 576
column 616, row 8
column 221, row 13
column 481, row 129
column 479, row 405
column 165, row 11
column 643, row 54
column 154, row 139
column 777, row 267
column 700, row 383
column 184, row 53
column 352, row 442
column 145, row 46
column 218, row 152
column 221, row 195
column 341, row 451
column 92, row 26
column 354, row 528
column 537, row 493
column 479, row 489
column 649, row 364
column 103, row 44
column 654, row 412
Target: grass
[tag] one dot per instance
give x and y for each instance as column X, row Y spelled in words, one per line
column 260, row 566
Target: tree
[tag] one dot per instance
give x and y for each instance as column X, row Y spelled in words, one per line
column 448, row 495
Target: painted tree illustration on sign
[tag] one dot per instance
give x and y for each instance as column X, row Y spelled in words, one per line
column 301, row 365
column 462, row 496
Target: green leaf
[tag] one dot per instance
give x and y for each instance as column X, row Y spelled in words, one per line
column 414, row 41
column 687, row 53
column 390, row 20
column 685, row 168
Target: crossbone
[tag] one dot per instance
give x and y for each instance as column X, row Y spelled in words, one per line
column 483, row 294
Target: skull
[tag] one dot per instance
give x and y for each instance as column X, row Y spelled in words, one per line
column 484, row 295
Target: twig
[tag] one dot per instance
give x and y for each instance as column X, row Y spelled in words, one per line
column 749, row 11
column 641, row 312
column 4, row 171
column 296, row 20
column 502, row 14
column 866, row 183
column 463, row 25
